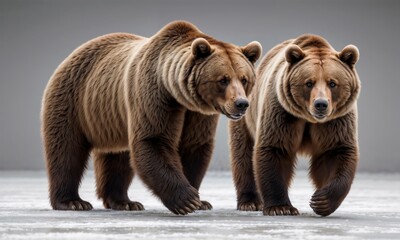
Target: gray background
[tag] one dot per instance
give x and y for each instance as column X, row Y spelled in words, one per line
column 35, row 36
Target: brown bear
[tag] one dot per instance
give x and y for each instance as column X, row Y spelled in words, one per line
column 303, row 102
column 145, row 105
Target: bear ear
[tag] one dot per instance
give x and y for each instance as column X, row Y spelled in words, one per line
column 252, row 51
column 349, row 55
column 294, row 54
column 201, row 48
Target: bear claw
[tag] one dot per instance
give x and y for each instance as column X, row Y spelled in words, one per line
column 184, row 209
column 249, row 206
column 124, row 205
column 181, row 212
column 196, row 204
column 74, row 205
column 192, row 206
column 321, row 204
column 280, row 211
column 205, row 205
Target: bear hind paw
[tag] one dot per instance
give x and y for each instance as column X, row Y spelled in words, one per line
column 249, row 206
column 280, row 210
column 124, row 205
column 205, row 205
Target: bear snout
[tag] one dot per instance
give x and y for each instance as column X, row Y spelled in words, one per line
column 236, row 109
column 320, row 108
column 242, row 104
column 321, row 105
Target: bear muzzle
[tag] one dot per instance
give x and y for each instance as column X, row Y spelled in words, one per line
column 320, row 109
column 235, row 110
column 242, row 104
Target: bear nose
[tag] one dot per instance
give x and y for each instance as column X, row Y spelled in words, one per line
column 321, row 105
column 242, row 104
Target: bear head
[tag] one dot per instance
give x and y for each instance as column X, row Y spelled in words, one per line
column 318, row 84
column 222, row 76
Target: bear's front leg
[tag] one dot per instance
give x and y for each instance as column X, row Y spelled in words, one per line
column 274, row 169
column 196, row 148
column 159, row 166
column 333, row 173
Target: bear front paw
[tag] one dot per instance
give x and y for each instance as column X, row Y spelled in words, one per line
column 280, row 211
column 324, row 202
column 183, row 202
column 76, row 205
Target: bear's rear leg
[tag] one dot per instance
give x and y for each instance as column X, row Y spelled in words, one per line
column 241, row 144
column 114, row 174
column 66, row 162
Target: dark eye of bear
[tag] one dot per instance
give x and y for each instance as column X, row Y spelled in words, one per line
column 244, row 82
column 332, row 84
column 224, row 81
column 309, row 84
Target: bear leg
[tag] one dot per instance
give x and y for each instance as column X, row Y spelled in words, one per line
column 195, row 162
column 160, row 168
column 274, row 170
column 196, row 148
column 66, row 161
column 114, row 174
column 332, row 173
column 241, row 144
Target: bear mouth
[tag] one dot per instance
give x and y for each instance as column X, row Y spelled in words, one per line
column 319, row 116
column 233, row 116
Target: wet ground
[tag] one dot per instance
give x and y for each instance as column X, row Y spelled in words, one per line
column 371, row 211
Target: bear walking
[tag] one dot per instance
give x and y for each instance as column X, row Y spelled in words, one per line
column 303, row 102
column 142, row 105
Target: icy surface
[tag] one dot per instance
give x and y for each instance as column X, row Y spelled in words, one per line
column 371, row 211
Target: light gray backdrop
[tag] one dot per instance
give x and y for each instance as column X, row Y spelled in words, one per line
column 35, row 36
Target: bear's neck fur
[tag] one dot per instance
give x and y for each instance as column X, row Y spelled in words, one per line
column 177, row 77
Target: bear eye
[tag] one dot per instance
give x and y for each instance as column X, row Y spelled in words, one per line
column 244, row 81
column 309, row 84
column 332, row 84
column 224, row 81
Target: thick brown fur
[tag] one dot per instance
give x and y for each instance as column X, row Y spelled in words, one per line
column 303, row 102
column 143, row 105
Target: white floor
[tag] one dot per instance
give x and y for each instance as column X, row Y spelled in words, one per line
column 371, row 211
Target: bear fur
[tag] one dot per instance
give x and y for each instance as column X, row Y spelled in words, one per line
column 142, row 105
column 303, row 102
